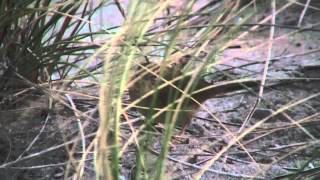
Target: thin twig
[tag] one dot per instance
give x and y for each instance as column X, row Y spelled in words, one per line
column 83, row 140
column 5, row 165
column 210, row 170
column 303, row 13
column 37, row 136
column 265, row 70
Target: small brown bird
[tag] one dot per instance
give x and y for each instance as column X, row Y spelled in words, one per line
column 151, row 77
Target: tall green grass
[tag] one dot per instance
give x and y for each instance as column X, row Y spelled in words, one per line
column 40, row 38
column 150, row 34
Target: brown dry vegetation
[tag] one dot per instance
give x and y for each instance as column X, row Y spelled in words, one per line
column 84, row 125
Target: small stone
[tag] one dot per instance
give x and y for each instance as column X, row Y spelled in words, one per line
column 261, row 113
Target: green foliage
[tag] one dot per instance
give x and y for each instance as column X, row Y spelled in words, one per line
column 41, row 37
column 306, row 169
column 149, row 35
